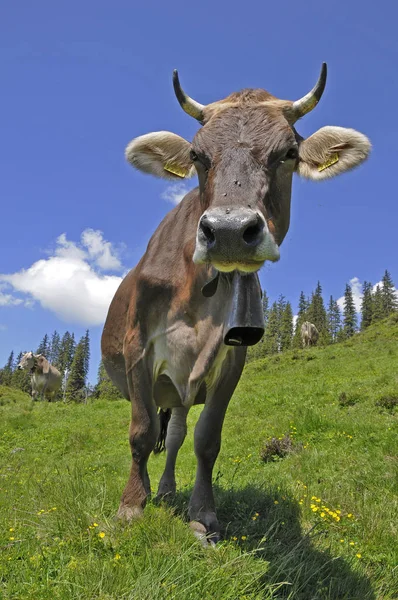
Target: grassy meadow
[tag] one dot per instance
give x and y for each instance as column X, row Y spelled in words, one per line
column 313, row 515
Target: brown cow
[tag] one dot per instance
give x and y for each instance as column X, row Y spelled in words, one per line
column 309, row 334
column 46, row 380
column 177, row 329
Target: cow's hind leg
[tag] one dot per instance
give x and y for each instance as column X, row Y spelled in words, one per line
column 176, row 432
column 202, row 510
column 144, row 429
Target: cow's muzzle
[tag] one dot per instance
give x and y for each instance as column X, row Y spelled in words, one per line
column 234, row 239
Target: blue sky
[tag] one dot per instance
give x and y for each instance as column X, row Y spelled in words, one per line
column 79, row 80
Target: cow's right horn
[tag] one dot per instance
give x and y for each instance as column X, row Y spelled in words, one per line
column 309, row 101
column 191, row 107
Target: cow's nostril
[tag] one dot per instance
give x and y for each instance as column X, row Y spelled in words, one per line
column 208, row 233
column 253, row 233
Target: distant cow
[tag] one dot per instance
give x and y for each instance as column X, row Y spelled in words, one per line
column 309, row 334
column 45, row 378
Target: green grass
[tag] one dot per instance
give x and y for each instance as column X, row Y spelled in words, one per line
column 294, row 526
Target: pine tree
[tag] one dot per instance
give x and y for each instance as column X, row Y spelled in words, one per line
column 316, row 314
column 55, row 346
column 105, row 388
column 76, row 380
column 265, row 303
column 66, row 352
column 301, row 318
column 10, row 362
column 378, row 307
column 389, row 295
column 367, row 305
column 286, row 327
column 334, row 320
column 350, row 317
column 44, row 346
column 271, row 335
column 6, row 374
column 86, row 345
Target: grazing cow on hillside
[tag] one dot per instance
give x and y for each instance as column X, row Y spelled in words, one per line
column 177, row 329
column 309, row 334
column 46, row 380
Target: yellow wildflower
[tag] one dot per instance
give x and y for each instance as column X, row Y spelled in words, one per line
column 358, row 555
column 11, row 528
column 341, row 541
column 101, row 534
column 117, row 557
column 352, row 543
column 244, row 537
column 276, row 502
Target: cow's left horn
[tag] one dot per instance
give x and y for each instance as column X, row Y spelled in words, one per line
column 309, row 101
column 193, row 108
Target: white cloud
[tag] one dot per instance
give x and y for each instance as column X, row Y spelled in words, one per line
column 104, row 254
column 175, row 192
column 9, row 300
column 68, row 282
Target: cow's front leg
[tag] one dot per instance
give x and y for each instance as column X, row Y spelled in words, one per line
column 176, row 432
column 144, row 429
column 44, row 392
column 202, row 509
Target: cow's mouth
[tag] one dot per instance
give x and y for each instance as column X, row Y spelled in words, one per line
column 242, row 267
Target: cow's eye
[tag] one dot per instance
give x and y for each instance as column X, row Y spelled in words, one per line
column 193, row 156
column 291, row 154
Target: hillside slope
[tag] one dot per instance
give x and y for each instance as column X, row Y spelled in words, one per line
column 318, row 523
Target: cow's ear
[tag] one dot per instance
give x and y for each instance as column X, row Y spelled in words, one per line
column 331, row 151
column 162, row 154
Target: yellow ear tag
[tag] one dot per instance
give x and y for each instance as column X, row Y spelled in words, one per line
column 175, row 169
column 331, row 161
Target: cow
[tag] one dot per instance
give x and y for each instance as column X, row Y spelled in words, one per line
column 309, row 334
column 46, row 380
column 178, row 327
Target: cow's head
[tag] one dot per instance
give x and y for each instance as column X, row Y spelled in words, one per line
column 245, row 155
column 27, row 361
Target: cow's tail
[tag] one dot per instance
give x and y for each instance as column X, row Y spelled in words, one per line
column 164, row 418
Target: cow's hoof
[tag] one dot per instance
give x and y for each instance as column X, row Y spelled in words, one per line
column 129, row 513
column 166, row 491
column 207, row 539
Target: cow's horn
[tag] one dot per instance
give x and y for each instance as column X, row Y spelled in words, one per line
column 193, row 108
column 309, row 101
